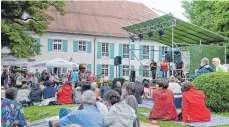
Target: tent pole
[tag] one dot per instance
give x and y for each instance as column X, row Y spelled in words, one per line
column 172, row 51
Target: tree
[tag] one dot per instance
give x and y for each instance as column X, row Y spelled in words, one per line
column 19, row 18
column 211, row 15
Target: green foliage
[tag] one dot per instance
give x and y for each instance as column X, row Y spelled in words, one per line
column 211, row 15
column 19, row 18
column 215, row 86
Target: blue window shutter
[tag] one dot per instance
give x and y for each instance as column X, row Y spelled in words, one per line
column 120, row 50
column 38, row 41
column 49, row 69
column 111, row 69
column 65, row 45
column 112, row 50
column 89, row 47
column 99, row 69
column 50, row 44
column 132, row 67
column 159, row 72
column 160, row 53
column 64, row 70
column 121, row 72
column 75, row 46
column 140, row 70
column 152, row 53
column 89, row 67
column 141, row 52
column 99, row 50
column 132, row 51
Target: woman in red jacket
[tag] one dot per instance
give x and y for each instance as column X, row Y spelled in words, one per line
column 163, row 107
column 164, row 68
column 64, row 94
column 194, row 107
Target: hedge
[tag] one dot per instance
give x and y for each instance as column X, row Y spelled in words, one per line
column 216, row 88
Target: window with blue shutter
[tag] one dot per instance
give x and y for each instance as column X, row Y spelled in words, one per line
column 64, row 70
column 111, row 74
column 99, row 50
column 65, row 45
column 132, row 51
column 75, row 46
column 49, row 69
column 37, row 40
column 120, row 71
column 152, row 53
column 89, row 47
column 112, row 50
column 89, row 67
column 141, row 52
column 99, row 69
column 160, row 53
column 120, row 50
column 50, row 44
column 140, row 70
column 132, row 67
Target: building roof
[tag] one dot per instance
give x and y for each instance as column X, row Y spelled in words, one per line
column 98, row 17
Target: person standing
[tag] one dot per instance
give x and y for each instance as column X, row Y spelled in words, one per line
column 164, row 68
column 74, row 77
column 153, row 68
column 219, row 67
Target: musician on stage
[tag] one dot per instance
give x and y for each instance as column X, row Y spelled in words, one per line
column 164, row 68
column 180, row 68
column 153, row 68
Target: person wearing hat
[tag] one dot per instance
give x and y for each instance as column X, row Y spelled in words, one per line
column 153, row 68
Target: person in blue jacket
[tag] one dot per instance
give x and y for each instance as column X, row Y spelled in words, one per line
column 204, row 68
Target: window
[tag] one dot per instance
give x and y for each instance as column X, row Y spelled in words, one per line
column 146, row 71
column 82, row 46
column 57, row 44
column 105, row 49
column 126, row 53
column 164, row 49
column 145, row 52
column 125, row 70
column 105, row 70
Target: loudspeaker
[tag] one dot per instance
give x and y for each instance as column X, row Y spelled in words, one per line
column 177, row 57
column 115, row 61
column 132, row 76
column 168, row 56
column 119, row 59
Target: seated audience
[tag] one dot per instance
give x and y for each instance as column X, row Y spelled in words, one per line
column 97, row 90
column 105, row 87
column 163, row 107
column 19, row 80
column 194, row 108
column 49, row 91
column 118, row 87
column 12, row 111
column 76, row 94
column 128, row 91
column 35, row 94
column 173, row 86
column 89, row 116
column 120, row 114
column 23, row 95
column 33, row 79
column 139, row 89
column 65, row 94
column 219, row 67
column 179, row 80
column 147, row 92
column 204, row 68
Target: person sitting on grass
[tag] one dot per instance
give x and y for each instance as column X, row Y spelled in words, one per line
column 105, row 87
column 97, row 90
column 118, row 87
column 194, row 108
column 163, row 108
column 89, row 116
column 36, row 94
column 173, row 86
column 65, row 94
column 49, row 91
column 23, row 96
column 12, row 111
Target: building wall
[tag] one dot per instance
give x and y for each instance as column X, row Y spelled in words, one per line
column 88, row 57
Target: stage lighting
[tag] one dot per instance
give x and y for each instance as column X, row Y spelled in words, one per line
column 140, row 36
column 150, row 34
column 161, row 32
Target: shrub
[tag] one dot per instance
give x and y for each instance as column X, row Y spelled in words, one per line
column 216, row 88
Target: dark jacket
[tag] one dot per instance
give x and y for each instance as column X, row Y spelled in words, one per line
column 139, row 91
column 104, row 89
column 49, row 92
column 35, row 94
column 202, row 70
column 118, row 89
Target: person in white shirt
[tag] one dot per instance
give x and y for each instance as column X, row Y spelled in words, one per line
column 173, row 86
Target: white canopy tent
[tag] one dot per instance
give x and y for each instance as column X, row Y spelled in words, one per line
column 60, row 63
column 13, row 61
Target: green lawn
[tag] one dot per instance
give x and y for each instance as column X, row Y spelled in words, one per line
column 40, row 112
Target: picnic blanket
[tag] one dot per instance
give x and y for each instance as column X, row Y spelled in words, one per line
column 146, row 104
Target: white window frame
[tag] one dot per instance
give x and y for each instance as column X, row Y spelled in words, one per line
column 125, row 70
column 57, row 43
column 146, row 52
column 81, row 45
column 105, row 70
column 164, row 48
column 105, row 52
column 146, row 71
column 126, row 53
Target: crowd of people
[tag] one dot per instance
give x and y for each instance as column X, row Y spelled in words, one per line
column 113, row 106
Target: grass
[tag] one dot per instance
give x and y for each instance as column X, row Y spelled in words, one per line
column 34, row 113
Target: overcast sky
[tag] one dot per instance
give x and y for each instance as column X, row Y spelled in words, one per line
column 167, row 6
